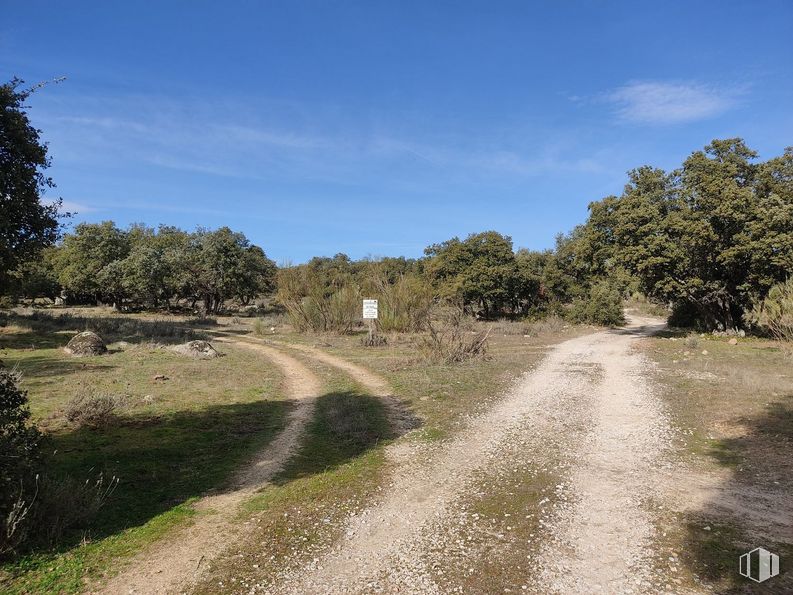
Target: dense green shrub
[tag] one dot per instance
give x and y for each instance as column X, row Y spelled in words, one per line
column 603, row 306
column 19, row 459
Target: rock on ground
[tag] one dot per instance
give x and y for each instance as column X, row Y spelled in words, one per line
column 197, row 349
column 86, row 343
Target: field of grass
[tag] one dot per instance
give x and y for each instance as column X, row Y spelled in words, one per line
column 734, row 405
column 171, row 440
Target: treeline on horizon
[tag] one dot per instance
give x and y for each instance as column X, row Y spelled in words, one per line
column 142, row 267
column 709, row 240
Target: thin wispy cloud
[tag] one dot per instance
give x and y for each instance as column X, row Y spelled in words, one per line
column 213, row 139
column 547, row 160
column 69, row 206
column 656, row 102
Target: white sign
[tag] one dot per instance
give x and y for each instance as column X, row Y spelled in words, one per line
column 369, row 309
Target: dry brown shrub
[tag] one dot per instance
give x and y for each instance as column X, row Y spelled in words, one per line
column 449, row 339
column 314, row 303
column 93, row 411
column 404, row 305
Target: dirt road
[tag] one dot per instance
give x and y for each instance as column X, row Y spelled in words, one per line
column 589, row 399
column 171, row 565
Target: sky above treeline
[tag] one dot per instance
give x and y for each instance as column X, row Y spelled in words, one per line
column 378, row 128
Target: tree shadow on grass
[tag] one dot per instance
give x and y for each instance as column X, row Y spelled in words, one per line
column 346, row 425
column 110, row 328
column 32, row 340
column 752, row 510
column 45, row 366
column 162, row 462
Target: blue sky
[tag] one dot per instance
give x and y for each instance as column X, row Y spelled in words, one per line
column 377, row 128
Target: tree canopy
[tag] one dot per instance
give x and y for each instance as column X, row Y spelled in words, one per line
column 141, row 266
column 26, row 224
column 709, row 238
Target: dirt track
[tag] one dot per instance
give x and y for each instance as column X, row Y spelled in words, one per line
column 179, row 560
column 595, row 380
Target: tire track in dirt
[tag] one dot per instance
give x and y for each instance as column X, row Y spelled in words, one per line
column 603, row 539
column 385, row 547
column 178, row 560
column 400, row 417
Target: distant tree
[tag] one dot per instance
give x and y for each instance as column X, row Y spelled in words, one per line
column 480, row 270
column 335, row 272
column 256, row 275
column 530, row 292
column 90, row 262
column 155, row 272
column 37, row 277
column 224, row 264
column 392, row 268
column 771, row 232
column 710, row 238
column 26, row 224
column 141, row 267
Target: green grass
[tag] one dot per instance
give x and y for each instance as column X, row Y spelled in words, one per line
column 163, row 461
column 720, row 395
column 208, row 416
column 712, row 556
column 66, row 571
column 174, row 441
column 337, row 469
column 336, row 474
column 110, row 324
column 346, row 425
column 442, row 395
column 52, row 377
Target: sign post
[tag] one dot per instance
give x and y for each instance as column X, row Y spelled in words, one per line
column 370, row 314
